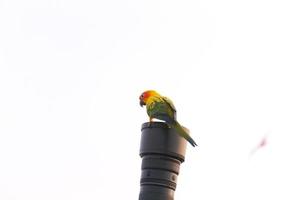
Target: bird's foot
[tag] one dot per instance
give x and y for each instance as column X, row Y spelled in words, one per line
column 150, row 124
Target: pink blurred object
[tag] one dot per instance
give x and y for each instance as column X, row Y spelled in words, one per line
column 262, row 144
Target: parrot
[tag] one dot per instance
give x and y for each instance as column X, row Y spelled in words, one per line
column 162, row 108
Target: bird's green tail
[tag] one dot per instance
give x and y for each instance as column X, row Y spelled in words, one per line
column 183, row 132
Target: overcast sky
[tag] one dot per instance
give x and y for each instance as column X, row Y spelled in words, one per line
column 71, row 73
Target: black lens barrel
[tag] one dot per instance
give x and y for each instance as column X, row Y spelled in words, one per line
column 162, row 151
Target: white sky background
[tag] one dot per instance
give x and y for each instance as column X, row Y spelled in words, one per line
column 71, row 73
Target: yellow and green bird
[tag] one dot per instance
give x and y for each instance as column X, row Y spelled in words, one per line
column 162, row 108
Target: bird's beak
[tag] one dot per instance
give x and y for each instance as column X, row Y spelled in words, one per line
column 142, row 103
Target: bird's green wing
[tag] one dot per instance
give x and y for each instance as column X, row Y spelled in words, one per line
column 170, row 103
column 160, row 109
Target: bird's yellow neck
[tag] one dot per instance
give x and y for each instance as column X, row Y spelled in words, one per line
column 152, row 98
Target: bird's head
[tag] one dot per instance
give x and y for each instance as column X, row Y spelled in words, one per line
column 145, row 96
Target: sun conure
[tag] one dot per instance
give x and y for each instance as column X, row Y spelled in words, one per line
column 162, row 108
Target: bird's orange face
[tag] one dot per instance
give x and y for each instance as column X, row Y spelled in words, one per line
column 145, row 96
